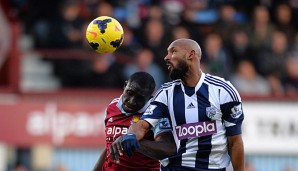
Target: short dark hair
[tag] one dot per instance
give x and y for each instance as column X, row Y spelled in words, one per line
column 143, row 79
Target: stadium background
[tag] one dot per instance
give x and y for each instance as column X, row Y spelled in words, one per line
column 54, row 88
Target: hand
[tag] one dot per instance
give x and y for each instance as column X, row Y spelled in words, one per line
column 116, row 150
column 129, row 143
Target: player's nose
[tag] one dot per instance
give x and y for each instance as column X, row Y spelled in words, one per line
column 167, row 57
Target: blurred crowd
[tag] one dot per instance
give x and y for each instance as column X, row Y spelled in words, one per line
column 254, row 44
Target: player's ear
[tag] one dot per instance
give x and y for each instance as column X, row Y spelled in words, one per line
column 191, row 54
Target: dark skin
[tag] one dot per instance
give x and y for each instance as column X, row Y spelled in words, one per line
column 159, row 149
column 134, row 97
column 188, row 51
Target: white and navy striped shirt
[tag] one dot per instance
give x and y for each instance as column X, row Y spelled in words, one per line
column 201, row 118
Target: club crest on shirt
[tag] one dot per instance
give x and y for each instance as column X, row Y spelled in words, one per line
column 135, row 119
column 236, row 111
column 211, row 111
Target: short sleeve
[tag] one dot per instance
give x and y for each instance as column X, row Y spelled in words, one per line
column 231, row 108
column 157, row 109
column 158, row 106
column 233, row 117
column 162, row 127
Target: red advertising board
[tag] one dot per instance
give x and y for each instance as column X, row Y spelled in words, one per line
column 72, row 124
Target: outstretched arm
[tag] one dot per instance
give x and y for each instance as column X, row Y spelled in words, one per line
column 236, row 151
column 130, row 141
column 139, row 129
column 164, row 146
column 98, row 166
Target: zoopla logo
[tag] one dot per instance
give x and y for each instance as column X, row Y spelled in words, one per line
column 197, row 129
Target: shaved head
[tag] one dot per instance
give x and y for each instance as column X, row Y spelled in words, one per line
column 189, row 45
column 183, row 60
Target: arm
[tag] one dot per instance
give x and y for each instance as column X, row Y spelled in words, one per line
column 139, row 129
column 98, row 166
column 136, row 131
column 164, row 146
column 236, row 151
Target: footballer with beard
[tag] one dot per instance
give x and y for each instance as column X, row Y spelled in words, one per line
column 205, row 113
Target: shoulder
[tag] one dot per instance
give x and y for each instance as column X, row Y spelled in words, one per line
column 115, row 100
column 166, row 86
column 219, row 82
column 215, row 80
column 223, row 86
column 112, row 107
column 169, row 85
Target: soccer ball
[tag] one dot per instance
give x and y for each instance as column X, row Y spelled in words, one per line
column 104, row 34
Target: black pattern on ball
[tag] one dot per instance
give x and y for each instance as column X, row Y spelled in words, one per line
column 94, row 45
column 117, row 42
column 102, row 24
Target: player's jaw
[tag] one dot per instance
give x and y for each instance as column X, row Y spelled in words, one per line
column 179, row 71
column 128, row 108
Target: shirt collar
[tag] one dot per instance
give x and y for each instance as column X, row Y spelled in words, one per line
column 199, row 84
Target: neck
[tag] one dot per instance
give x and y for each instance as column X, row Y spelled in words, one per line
column 192, row 78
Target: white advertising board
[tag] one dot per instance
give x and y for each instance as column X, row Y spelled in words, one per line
column 270, row 127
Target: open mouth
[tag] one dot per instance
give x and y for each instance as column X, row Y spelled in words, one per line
column 169, row 65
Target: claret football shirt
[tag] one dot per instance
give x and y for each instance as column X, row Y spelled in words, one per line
column 117, row 122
